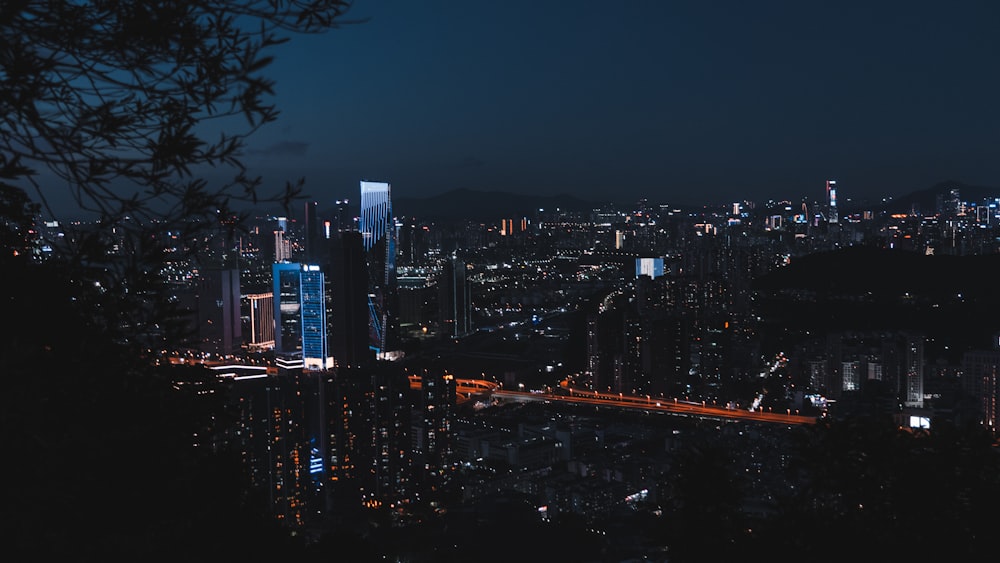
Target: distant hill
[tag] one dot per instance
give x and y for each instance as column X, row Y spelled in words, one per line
column 486, row 205
column 926, row 201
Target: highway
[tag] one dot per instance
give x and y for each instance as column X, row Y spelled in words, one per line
column 469, row 388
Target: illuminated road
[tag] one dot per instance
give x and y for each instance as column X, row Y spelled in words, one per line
column 672, row 406
column 468, row 388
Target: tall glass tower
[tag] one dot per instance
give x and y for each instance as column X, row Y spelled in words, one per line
column 378, row 234
column 831, row 199
column 300, row 313
column 287, row 307
column 315, row 347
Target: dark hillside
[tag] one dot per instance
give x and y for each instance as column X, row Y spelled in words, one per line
column 952, row 299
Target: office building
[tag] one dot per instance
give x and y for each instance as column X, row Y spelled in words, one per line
column 831, row 196
column 454, row 299
column 300, row 314
column 315, row 346
column 287, row 308
column 217, row 294
column 349, row 314
column 260, row 318
column 378, row 232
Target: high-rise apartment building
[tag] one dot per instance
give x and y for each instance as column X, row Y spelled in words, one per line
column 384, row 452
column 914, row 371
column 981, row 381
column 432, row 440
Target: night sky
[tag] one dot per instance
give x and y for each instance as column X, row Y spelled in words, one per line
column 683, row 101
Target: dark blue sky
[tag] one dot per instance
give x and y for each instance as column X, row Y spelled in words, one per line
column 679, row 101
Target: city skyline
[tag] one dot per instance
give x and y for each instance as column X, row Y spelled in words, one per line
column 686, row 103
column 659, row 281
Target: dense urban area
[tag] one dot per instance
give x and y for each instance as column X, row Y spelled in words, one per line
column 418, row 282
column 588, row 382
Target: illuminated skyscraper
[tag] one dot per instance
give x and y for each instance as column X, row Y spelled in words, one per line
column 378, row 232
column 300, row 313
column 315, row 346
column 261, row 328
column 831, row 197
column 287, row 308
column 375, row 221
column 282, row 244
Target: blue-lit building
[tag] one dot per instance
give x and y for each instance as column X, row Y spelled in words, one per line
column 287, row 307
column 652, row 267
column 312, row 307
column 378, row 232
column 300, row 314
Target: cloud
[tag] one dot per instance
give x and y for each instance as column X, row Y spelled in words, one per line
column 283, row 148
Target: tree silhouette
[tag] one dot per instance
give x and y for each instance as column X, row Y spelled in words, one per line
column 124, row 103
column 112, row 96
column 886, row 492
column 703, row 516
column 127, row 104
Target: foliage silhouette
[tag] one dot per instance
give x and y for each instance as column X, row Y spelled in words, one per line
column 125, row 104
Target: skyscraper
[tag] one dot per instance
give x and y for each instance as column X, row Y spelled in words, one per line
column 913, row 393
column 831, row 198
column 454, row 299
column 315, row 346
column 981, row 382
column 341, row 220
column 378, row 234
column 433, row 433
column 282, row 244
column 261, row 319
column 287, row 308
column 349, row 315
column 300, row 313
column 218, row 299
column 385, row 454
column 313, row 233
